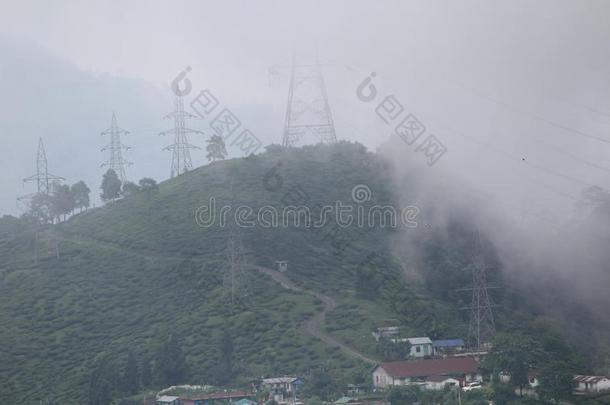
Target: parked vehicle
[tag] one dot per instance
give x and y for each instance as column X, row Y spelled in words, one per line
column 472, row 386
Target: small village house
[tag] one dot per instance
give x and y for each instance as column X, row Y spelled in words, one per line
column 427, row 373
column 281, row 388
column 387, row 332
column 420, row 346
column 355, row 389
column 589, row 384
column 287, row 385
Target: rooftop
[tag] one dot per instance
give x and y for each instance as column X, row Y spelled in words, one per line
column 420, row 340
column 589, row 378
column 448, row 343
column 434, row 367
column 345, row 400
column 279, row 380
column 224, row 395
column 167, row 398
column 244, row 401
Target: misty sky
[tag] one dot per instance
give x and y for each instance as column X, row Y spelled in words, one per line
column 519, row 91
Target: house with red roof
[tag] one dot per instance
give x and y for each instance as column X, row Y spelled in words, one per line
column 428, row 373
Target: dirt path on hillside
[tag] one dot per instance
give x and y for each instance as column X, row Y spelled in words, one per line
column 313, row 326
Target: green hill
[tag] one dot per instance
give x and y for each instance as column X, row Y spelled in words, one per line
column 141, row 268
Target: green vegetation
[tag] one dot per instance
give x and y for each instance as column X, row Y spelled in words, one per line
column 517, row 353
column 215, row 148
column 141, row 288
column 111, row 186
column 62, row 201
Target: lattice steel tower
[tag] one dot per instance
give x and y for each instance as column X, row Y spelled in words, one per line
column 181, row 154
column 234, row 279
column 308, row 111
column 42, row 177
column 482, row 326
column 116, row 148
column 43, row 180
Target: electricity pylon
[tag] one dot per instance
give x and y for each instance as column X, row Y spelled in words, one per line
column 234, row 280
column 42, row 178
column 181, row 154
column 308, row 111
column 43, row 189
column 482, row 325
column 116, row 148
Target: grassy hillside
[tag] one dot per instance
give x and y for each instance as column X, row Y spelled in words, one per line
column 139, row 269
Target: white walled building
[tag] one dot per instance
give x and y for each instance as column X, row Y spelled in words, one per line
column 432, row 373
column 420, row 346
column 591, row 383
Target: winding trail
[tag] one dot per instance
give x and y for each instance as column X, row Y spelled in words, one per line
column 312, row 326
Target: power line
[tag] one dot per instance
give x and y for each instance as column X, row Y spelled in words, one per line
column 536, row 116
column 571, row 155
column 532, row 115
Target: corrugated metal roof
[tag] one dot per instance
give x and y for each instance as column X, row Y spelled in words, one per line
column 244, row 401
column 279, row 380
column 224, row 395
column 589, row 378
column 448, row 343
column 434, row 367
column 419, row 340
column 167, row 398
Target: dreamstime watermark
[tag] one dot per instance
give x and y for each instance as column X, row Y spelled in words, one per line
column 407, row 127
column 301, row 216
column 224, row 124
column 344, row 242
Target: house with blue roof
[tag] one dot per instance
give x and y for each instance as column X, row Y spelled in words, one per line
column 447, row 347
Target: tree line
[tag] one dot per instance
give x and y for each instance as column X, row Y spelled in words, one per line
column 168, row 366
column 113, row 188
column 63, row 200
column 109, row 380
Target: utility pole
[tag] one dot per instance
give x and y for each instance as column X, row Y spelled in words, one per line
column 181, row 154
column 308, row 111
column 115, row 161
column 482, row 326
